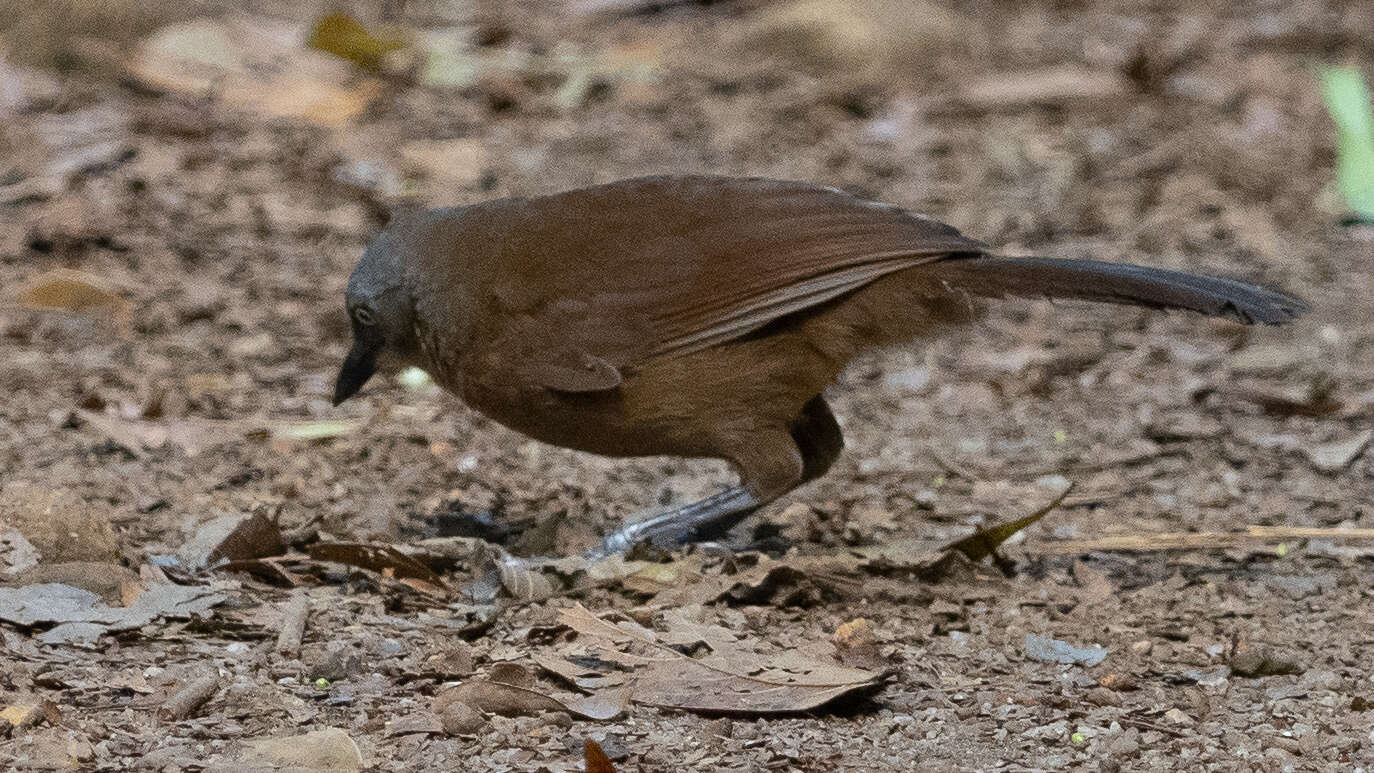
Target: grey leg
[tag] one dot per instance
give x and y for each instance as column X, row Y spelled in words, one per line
column 682, row 525
column 774, row 465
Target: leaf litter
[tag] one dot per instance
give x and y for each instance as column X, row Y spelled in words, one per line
column 731, row 679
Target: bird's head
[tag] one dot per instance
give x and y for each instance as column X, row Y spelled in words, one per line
column 381, row 310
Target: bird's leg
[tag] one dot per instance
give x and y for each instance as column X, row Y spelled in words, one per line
column 683, row 525
column 818, row 437
column 774, row 464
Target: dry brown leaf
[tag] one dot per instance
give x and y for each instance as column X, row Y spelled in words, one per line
column 252, row 64
column 377, row 557
column 74, row 291
column 509, row 700
column 512, row 674
column 235, row 537
column 730, row 680
column 597, row 761
column 854, row 634
column 25, row 715
column 415, row 722
column 985, row 542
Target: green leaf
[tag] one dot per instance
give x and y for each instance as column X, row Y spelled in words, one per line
column 1349, row 103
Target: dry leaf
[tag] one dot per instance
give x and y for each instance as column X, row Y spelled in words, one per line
column 233, row 537
column 597, row 761
column 985, row 542
column 74, row 291
column 512, row 674
column 328, row 749
column 346, row 37
column 252, row 64
column 511, row 701
column 730, row 680
column 377, row 557
column 80, row 617
column 1046, row 86
column 313, row 430
column 1336, row 456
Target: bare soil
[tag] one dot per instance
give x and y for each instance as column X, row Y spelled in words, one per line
column 1198, row 140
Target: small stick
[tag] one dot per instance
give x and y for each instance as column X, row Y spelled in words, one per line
column 189, row 698
column 1201, row 540
column 293, row 624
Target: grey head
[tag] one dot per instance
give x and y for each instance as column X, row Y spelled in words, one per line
column 381, row 309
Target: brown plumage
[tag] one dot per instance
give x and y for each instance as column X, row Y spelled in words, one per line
column 698, row 316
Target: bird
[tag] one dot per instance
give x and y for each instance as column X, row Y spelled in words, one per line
column 699, row 316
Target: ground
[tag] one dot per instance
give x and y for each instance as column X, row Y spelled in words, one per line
column 1176, row 134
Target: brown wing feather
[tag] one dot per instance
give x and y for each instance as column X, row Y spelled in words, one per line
column 667, row 265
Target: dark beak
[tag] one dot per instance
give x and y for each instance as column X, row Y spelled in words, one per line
column 359, row 367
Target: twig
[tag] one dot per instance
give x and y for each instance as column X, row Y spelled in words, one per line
column 1202, row 540
column 949, row 466
column 293, row 624
column 189, row 698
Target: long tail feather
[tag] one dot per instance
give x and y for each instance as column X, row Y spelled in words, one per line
column 1093, row 280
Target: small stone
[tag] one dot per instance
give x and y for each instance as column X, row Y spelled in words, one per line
column 1142, row 647
column 461, row 719
column 1178, row 717
column 1258, row 662
column 1322, row 679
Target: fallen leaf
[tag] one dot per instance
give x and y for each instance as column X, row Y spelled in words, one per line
column 1336, row 456
column 252, row 64
column 25, row 715
column 73, row 291
column 327, row 749
column 985, row 542
column 234, row 537
column 730, row 680
column 377, row 557
column 17, row 552
column 314, row 430
column 1045, row 86
column 415, row 722
column 79, row 616
column 346, row 37
column 597, row 761
column 509, row 700
column 1047, row 650
column 104, row 579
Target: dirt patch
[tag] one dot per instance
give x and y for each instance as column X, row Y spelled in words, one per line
column 221, row 232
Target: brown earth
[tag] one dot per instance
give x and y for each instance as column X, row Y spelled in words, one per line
column 1184, row 134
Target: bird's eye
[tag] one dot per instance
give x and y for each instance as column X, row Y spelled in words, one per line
column 364, row 316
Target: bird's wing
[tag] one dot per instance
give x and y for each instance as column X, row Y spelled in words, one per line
column 657, row 267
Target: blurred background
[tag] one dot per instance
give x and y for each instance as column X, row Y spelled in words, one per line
column 184, row 188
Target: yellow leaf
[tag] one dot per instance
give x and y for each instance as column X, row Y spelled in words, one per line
column 346, row 37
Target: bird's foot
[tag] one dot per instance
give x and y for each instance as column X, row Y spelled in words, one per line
column 683, row 525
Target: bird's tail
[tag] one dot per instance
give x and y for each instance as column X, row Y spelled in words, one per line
column 1094, row 280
